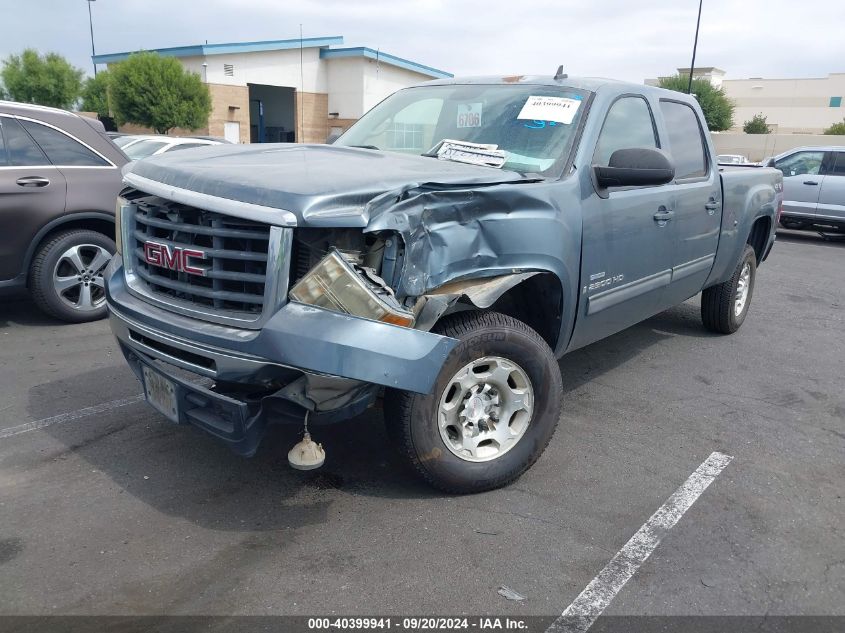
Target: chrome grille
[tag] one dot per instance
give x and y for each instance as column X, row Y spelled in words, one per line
column 236, row 253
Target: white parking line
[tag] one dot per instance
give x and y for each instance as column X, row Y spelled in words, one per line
column 591, row 603
column 68, row 417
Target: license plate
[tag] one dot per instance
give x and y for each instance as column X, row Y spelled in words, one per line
column 161, row 393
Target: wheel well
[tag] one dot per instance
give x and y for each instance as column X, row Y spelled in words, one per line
column 759, row 236
column 537, row 302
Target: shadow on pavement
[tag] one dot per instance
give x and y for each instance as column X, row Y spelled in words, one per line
column 20, row 310
column 182, row 472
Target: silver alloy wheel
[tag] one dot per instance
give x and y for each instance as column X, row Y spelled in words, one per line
column 485, row 409
column 78, row 277
column 742, row 288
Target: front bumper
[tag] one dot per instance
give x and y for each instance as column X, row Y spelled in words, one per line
column 345, row 358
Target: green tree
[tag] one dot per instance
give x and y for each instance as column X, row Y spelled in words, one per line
column 44, row 79
column 718, row 109
column 95, row 94
column 157, row 92
column 836, row 128
column 756, row 125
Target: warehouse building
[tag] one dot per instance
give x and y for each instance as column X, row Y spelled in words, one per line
column 290, row 90
column 791, row 106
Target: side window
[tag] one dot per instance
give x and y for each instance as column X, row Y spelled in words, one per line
column 838, row 168
column 20, row 148
column 685, row 143
column 3, row 160
column 628, row 124
column 800, row 164
column 60, row 148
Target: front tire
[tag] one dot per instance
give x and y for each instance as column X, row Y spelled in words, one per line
column 724, row 307
column 66, row 276
column 493, row 410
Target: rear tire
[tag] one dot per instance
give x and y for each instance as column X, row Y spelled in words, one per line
column 724, row 307
column 66, row 276
column 499, row 392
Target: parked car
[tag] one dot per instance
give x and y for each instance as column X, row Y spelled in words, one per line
column 152, row 145
column 732, row 159
column 59, row 176
column 448, row 264
column 813, row 187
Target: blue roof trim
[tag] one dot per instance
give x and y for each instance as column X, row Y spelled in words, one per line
column 387, row 58
column 220, row 49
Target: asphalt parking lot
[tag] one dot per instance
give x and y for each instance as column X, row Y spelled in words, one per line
column 116, row 511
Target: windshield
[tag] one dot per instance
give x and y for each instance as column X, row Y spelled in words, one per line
column 122, row 141
column 142, row 149
column 534, row 125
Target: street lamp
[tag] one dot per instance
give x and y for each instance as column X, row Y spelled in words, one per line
column 91, row 26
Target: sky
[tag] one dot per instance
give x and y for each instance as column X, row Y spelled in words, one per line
column 620, row 39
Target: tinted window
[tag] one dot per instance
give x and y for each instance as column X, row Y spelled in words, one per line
column 628, row 124
column 142, row 149
column 800, row 164
column 839, row 166
column 21, row 149
column 186, row 146
column 3, row 160
column 685, row 143
column 60, row 148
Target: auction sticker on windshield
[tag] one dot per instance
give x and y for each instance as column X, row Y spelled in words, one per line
column 557, row 109
column 469, row 115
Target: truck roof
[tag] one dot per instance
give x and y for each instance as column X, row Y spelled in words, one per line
column 592, row 84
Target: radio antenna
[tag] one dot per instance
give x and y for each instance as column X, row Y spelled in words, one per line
column 301, row 90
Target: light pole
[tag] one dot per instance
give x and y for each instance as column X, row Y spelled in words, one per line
column 694, row 46
column 91, row 26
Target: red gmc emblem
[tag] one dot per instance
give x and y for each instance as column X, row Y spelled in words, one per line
column 173, row 257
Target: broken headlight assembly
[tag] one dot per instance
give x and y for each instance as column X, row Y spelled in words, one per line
column 336, row 284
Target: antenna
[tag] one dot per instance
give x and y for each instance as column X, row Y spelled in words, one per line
column 378, row 54
column 301, row 88
column 560, row 74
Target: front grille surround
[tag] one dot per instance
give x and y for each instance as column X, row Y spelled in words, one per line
column 247, row 267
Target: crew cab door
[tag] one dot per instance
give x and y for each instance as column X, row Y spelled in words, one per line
column 696, row 200
column 832, row 191
column 32, row 192
column 802, row 182
column 626, row 255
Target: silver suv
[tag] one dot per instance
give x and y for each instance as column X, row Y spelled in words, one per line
column 813, row 188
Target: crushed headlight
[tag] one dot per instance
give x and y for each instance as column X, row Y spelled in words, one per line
column 334, row 284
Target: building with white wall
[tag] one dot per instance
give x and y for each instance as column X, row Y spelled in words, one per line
column 291, row 90
column 791, row 106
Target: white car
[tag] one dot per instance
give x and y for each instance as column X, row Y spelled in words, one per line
column 731, row 159
column 143, row 146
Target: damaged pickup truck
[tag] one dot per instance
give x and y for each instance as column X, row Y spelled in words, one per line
column 442, row 254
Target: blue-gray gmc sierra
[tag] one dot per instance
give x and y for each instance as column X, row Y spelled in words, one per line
column 443, row 253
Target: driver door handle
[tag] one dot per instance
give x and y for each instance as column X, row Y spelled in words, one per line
column 810, row 182
column 33, row 181
column 663, row 215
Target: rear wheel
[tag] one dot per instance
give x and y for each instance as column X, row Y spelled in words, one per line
column 66, row 277
column 493, row 409
column 724, row 307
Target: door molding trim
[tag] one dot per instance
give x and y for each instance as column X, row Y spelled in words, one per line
column 693, row 266
column 614, row 296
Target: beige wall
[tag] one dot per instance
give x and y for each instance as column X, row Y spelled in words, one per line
column 312, row 117
column 229, row 103
column 758, row 146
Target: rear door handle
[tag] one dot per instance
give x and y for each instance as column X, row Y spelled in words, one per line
column 33, row 181
column 663, row 215
column 810, row 182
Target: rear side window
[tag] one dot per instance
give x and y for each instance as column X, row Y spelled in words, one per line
column 61, row 149
column 628, row 124
column 3, row 160
column 685, row 143
column 20, row 148
column 838, row 168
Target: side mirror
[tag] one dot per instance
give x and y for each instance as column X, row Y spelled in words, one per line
column 635, row 167
column 769, row 163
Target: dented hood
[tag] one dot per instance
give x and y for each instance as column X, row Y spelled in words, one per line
column 322, row 185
